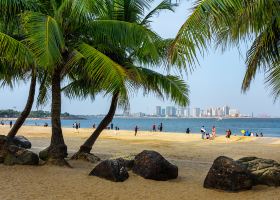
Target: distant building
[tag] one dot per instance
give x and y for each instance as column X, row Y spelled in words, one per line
column 203, row 113
column 233, row 113
column 174, row 110
column 158, row 111
column 226, row 110
column 170, row 111
column 196, row 112
column 140, row 114
column 163, row 112
column 181, row 112
column 220, row 112
column 188, row 112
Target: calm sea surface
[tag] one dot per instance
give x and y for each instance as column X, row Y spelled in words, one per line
column 269, row 127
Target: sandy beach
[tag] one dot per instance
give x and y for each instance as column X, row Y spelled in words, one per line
column 192, row 155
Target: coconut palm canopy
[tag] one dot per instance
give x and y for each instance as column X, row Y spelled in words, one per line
column 137, row 60
column 97, row 42
column 227, row 23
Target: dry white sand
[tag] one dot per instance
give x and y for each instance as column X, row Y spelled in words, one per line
column 192, row 155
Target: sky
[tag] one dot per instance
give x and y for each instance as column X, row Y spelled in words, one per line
column 215, row 82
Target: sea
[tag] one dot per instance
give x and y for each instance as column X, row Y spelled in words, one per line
column 270, row 127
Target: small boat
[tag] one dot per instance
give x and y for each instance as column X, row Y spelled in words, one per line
column 219, row 119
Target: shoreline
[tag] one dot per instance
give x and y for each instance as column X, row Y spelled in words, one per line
column 145, row 133
column 149, row 132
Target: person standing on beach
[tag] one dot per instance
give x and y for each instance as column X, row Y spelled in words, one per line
column 154, row 128
column 213, row 132
column 203, row 131
column 11, row 124
column 136, row 130
column 112, row 126
column 77, row 127
column 160, row 127
column 188, row 131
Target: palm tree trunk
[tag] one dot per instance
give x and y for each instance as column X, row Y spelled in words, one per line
column 87, row 146
column 57, row 149
column 24, row 114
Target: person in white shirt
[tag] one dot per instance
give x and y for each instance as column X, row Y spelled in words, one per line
column 203, row 131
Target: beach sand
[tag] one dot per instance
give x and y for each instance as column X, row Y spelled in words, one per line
column 192, row 155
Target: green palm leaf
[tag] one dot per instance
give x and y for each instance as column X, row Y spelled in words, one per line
column 100, row 68
column 44, row 37
column 15, row 52
column 164, row 5
column 163, row 85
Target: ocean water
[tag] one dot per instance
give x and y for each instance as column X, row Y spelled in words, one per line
column 270, row 127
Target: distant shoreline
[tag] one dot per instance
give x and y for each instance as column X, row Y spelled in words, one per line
column 43, row 118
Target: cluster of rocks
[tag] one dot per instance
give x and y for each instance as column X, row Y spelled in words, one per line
column 148, row 164
column 230, row 175
column 14, row 151
column 225, row 174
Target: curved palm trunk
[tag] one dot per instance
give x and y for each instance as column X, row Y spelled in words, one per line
column 24, row 114
column 87, row 146
column 57, row 149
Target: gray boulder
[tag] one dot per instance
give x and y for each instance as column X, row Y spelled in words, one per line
column 265, row 171
column 227, row 174
column 112, row 170
column 22, row 141
column 152, row 165
column 20, row 156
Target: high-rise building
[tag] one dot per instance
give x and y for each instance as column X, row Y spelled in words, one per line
column 188, row 112
column 163, row 112
column 220, row 112
column 171, row 111
column 196, row 112
column 226, row 110
column 174, row 111
column 158, row 111
column 168, row 110
column 181, row 112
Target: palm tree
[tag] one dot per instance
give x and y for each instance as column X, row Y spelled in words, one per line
column 150, row 51
column 58, row 38
column 12, row 69
column 51, row 38
column 229, row 23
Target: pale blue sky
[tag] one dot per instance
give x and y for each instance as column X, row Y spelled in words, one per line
column 216, row 82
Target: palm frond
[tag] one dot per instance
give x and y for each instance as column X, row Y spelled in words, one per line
column 15, row 52
column 44, row 37
column 164, row 5
column 263, row 53
column 100, row 68
column 162, row 85
column 273, row 80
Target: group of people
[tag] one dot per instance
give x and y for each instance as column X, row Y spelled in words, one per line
column 252, row 134
column 212, row 135
column 154, row 128
column 11, row 123
column 207, row 135
column 76, row 125
column 160, row 127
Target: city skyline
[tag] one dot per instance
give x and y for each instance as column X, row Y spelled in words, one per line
column 173, row 111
